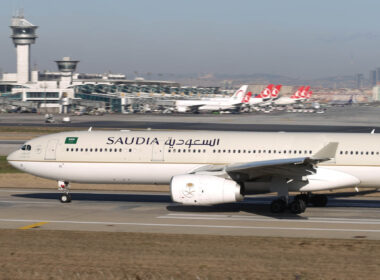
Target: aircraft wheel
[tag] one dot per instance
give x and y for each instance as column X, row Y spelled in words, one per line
column 298, row 206
column 278, row 206
column 65, row 198
column 319, row 200
column 303, row 197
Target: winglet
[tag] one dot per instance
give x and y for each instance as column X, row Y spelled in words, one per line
column 327, row 152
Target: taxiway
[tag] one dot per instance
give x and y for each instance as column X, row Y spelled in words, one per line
column 344, row 217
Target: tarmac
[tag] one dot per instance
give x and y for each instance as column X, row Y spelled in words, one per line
column 344, row 217
column 339, row 119
column 36, row 209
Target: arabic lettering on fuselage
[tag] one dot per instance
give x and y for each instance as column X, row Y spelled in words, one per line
column 172, row 142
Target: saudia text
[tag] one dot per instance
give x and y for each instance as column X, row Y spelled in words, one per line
column 168, row 142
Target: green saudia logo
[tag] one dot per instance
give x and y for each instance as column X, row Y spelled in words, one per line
column 71, row 140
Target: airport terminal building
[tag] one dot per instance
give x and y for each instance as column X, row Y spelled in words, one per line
column 65, row 89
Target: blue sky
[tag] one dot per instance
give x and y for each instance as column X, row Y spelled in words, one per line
column 305, row 39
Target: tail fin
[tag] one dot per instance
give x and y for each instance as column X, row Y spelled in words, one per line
column 246, row 97
column 240, row 93
column 276, row 91
column 296, row 95
column 308, row 95
column 304, row 92
column 266, row 93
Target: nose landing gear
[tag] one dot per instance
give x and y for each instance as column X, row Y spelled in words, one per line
column 65, row 188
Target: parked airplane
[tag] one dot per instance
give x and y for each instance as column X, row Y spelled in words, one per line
column 266, row 97
column 213, row 104
column 206, row 168
column 342, row 103
column 302, row 94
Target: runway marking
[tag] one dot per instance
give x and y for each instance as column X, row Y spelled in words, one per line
column 268, row 219
column 33, row 225
column 193, row 226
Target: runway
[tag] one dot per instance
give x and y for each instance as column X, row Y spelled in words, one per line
column 36, row 209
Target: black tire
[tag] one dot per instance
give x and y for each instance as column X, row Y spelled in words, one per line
column 298, row 206
column 319, row 200
column 303, row 197
column 278, row 206
column 65, row 198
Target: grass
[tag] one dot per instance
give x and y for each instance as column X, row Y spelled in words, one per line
column 5, row 167
column 48, row 254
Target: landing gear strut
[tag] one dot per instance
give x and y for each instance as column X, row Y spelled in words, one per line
column 65, row 188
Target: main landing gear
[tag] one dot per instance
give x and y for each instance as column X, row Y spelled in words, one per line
column 299, row 203
column 65, row 188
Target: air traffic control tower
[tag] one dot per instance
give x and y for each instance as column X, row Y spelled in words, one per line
column 23, row 35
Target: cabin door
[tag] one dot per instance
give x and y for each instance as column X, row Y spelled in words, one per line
column 158, row 151
column 51, row 149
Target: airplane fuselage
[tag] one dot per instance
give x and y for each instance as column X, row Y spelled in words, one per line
column 154, row 157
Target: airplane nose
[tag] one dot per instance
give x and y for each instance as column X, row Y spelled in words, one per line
column 11, row 157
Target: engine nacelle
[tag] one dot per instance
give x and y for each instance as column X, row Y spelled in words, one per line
column 327, row 179
column 204, row 190
column 182, row 109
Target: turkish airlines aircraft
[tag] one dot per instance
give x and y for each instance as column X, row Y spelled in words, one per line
column 263, row 96
column 213, row 104
column 300, row 95
column 204, row 167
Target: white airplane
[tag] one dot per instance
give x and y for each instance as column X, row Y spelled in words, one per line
column 302, row 94
column 206, row 168
column 264, row 95
column 213, row 104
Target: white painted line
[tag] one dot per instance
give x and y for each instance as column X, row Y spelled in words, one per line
column 190, row 226
column 271, row 220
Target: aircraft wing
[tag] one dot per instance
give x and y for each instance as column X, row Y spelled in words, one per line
column 289, row 167
column 195, row 108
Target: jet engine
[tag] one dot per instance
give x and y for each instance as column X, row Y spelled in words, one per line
column 204, row 190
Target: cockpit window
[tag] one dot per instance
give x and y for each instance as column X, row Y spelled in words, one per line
column 26, row 147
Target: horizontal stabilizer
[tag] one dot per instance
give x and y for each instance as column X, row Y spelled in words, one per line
column 327, row 152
